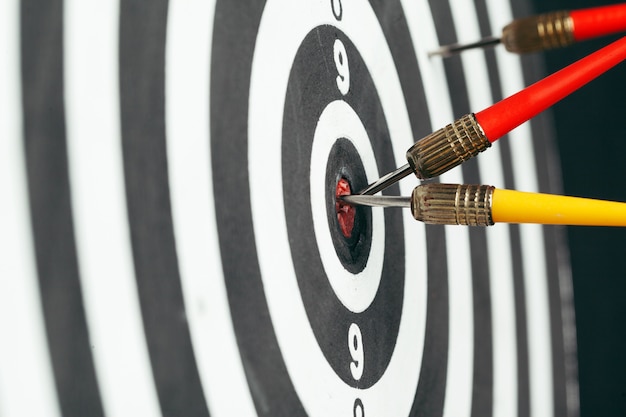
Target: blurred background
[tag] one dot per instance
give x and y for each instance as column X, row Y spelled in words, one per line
column 591, row 133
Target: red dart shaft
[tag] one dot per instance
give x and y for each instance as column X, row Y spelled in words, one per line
column 598, row 21
column 504, row 116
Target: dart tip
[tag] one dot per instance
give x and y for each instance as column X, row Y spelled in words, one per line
column 446, row 51
column 376, row 201
column 387, row 180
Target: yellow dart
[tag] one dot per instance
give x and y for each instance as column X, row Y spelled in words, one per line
column 484, row 205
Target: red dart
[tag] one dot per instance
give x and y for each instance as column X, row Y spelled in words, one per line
column 463, row 139
column 551, row 30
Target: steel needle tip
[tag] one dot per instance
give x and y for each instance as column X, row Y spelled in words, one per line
column 377, row 201
column 387, row 180
column 449, row 50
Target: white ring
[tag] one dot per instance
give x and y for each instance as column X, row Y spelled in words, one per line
column 188, row 51
column 355, row 291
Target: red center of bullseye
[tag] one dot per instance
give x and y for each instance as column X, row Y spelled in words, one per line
column 345, row 212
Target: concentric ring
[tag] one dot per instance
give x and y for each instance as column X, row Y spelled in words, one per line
column 353, row 274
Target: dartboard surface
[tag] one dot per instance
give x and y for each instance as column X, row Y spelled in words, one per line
column 170, row 239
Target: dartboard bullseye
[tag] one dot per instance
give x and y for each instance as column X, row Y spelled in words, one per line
column 183, row 249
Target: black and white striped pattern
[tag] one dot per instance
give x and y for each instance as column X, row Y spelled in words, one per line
column 117, row 289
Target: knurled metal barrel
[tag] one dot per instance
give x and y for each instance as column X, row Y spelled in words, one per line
column 447, row 147
column 452, row 204
column 538, row 33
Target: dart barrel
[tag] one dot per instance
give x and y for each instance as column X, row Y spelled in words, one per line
column 452, row 204
column 538, row 33
column 448, row 147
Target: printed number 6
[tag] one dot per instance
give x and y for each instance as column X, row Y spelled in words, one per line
column 355, row 344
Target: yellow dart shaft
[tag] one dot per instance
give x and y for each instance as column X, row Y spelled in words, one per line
column 521, row 207
column 484, row 205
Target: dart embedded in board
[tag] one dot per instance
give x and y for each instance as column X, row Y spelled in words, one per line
column 485, row 205
column 550, row 30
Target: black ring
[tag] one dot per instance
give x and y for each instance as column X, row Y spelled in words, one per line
column 328, row 317
column 344, row 162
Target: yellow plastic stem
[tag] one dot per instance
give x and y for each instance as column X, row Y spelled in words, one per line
column 520, row 207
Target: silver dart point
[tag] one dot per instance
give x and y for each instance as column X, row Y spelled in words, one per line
column 449, row 50
column 377, row 201
column 387, row 180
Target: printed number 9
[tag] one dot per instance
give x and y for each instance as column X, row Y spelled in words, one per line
column 341, row 62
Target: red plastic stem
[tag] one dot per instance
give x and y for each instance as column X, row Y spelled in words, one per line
column 598, row 21
column 504, row 116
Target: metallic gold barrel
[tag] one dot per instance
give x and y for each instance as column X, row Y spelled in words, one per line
column 447, row 147
column 452, row 204
column 537, row 33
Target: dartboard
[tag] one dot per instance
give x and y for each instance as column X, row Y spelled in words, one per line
column 170, row 238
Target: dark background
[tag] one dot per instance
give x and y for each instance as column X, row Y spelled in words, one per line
column 591, row 135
